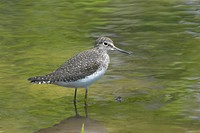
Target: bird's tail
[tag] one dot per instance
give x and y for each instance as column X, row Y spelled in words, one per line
column 40, row 80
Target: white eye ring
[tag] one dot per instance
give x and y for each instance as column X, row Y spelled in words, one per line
column 105, row 43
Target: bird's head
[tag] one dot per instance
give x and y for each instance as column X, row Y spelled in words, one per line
column 107, row 44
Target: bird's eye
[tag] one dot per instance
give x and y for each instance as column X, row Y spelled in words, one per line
column 105, row 43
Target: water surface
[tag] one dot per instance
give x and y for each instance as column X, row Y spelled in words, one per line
column 158, row 84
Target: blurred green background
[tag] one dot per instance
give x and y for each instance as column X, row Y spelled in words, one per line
column 159, row 84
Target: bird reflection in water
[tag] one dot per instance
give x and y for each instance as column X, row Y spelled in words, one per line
column 74, row 124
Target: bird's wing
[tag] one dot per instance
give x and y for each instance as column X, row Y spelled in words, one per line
column 78, row 67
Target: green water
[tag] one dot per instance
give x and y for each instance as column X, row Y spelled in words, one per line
column 159, row 84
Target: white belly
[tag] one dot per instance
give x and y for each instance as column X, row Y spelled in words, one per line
column 83, row 83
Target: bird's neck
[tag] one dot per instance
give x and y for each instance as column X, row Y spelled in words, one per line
column 101, row 50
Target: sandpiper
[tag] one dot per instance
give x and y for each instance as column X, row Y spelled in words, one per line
column 83, row 69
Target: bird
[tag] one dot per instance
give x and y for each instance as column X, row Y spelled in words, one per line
column 83, row 69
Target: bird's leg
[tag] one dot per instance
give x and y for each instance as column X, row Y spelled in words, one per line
column 75, row 95
column 75, row 101
column 86, row 92
column 86, row 105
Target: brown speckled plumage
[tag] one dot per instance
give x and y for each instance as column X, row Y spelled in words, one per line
column 78, row 67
